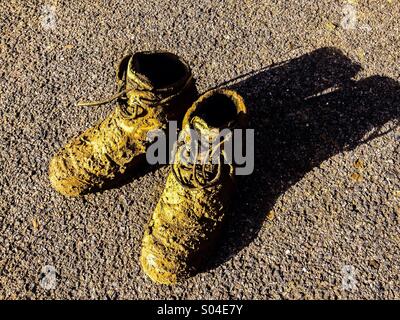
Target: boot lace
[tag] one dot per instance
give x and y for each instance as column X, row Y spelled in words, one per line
column 200, row 172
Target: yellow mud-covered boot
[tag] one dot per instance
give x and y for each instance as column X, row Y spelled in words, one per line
column 198, row 192
column 152, row 88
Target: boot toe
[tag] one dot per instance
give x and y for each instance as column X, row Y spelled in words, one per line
column 63, row 179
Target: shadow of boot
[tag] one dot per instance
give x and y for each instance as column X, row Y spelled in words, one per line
column 303, row 111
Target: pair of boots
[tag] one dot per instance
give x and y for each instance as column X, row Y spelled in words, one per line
column 152, row 89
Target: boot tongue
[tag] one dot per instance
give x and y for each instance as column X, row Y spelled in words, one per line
column 201, row 126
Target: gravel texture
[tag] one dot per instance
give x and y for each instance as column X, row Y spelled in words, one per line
column 321, row 81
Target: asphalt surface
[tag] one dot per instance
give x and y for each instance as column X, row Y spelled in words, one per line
column 319, row 218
